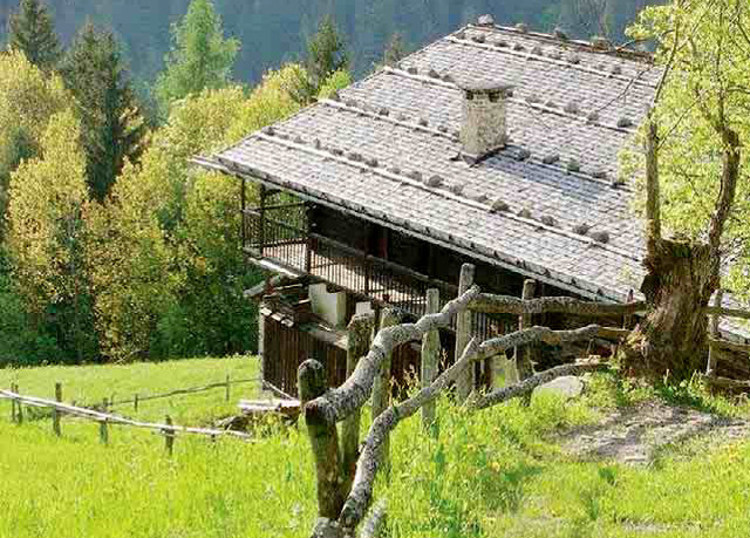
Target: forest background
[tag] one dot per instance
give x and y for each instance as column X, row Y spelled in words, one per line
column 113, row 248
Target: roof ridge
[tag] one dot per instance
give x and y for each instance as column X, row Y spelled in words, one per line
column 619, row 51
column 444, row 193
column 467, row 42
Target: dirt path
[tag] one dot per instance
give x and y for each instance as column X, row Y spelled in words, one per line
column 633, row 435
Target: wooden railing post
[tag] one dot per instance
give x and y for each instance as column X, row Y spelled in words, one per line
column 465, row 383
column 227, row 391
column 324, row 442
column 169, row 436
column 359, row 333
column 56, row 412
column 714, row 335
column 430, row 360
column 13, row 417
column 381, row 389
column 19, row 406
column 522, row 356
column 262, row 194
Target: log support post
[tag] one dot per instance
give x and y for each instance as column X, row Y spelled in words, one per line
column 381, row 389
column 359, row 334
column 466, row 382
column 430, row 361
column 714, row 335
column 169, row 436
column 522, row 356
column 228, row 389
column 324, row 442
column 56, row 412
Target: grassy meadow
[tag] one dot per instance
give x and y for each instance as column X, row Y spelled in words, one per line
column 496, row 473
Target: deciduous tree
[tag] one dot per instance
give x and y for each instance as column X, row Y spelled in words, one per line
column 696, row 179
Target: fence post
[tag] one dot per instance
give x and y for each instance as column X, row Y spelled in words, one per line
column 227, row 394
column 324, row 442
column 358, row 344
column 381, row 388
column 714, row 335
column 19, row 407
column 465, row 383
column 522, row 356
column 13, row 404
column 104, row 426
column 430, row 359
column 135, row 403
column 56, row 412
column 169, row 436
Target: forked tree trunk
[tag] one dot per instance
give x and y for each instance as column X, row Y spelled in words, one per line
column 673, row 337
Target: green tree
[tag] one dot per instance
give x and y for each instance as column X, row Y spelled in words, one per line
column 45, row 236
column 696, row 177
column 201, row 58
column 395, row 50
column 113, row 128
column 28, row 99
column 31, row 30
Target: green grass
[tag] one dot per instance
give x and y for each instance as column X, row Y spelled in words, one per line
column 91, row 384
column 497, row 473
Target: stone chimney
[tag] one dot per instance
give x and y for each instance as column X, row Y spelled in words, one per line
column 483, row 129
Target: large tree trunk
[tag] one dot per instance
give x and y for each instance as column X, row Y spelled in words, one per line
column 673, row 337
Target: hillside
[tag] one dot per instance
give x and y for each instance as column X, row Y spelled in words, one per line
column 272, row 32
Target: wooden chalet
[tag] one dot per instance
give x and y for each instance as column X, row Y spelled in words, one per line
column 493, row 145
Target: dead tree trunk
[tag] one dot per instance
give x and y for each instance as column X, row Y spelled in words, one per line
column 682, row 275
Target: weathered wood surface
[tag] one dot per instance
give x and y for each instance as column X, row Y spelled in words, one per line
column 114, row 419
column 324, row 441
column 730, row 346
column 359, row 499
column 289, row 408
column 339, row 403
column 375, row 522
column 466, row 382
column 729, row 312
column 430, row 359
column 522, row 356
column 714, row 334
column 56, row 412
column 381, row 389
column 506, row 304
column 358, row 342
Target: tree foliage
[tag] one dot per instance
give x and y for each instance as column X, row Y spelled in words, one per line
column 201, row 58
column 706, row 94
column 31, row 30
column 28, row 99
column 113, row 128
column 395, row 50
column 45, row 237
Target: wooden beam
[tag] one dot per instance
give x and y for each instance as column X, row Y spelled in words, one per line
column 522, row 357
column 466, row 382
column 430, row 361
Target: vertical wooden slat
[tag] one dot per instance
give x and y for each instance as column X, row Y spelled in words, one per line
column 381, row 390
column 522, row 356
column 465, row 383
column 430, row 360
column 714, row 334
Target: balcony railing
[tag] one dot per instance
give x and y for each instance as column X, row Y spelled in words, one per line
column 269, row 234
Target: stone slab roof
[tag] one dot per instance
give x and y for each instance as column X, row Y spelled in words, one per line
column 550, row 205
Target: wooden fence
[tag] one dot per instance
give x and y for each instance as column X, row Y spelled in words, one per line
column 346, row 475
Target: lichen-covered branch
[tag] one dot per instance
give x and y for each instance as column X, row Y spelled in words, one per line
column 374, row 522
column 337, row 404
column 506, row 304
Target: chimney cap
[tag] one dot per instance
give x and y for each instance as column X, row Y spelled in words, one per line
column 486, row 20
column 485, row 86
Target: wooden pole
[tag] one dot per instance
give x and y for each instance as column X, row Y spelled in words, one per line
column 714, row 331
column 104, row 426
column 135, row 403
column 359, row 334
column 323, row 440
column 56, row 412
column 227, row 393
column 522, row 356
column 381, row 388
column 13, row 417
column 430, row 361
column 19, row 407
column 465, row 383
column 169, row 436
